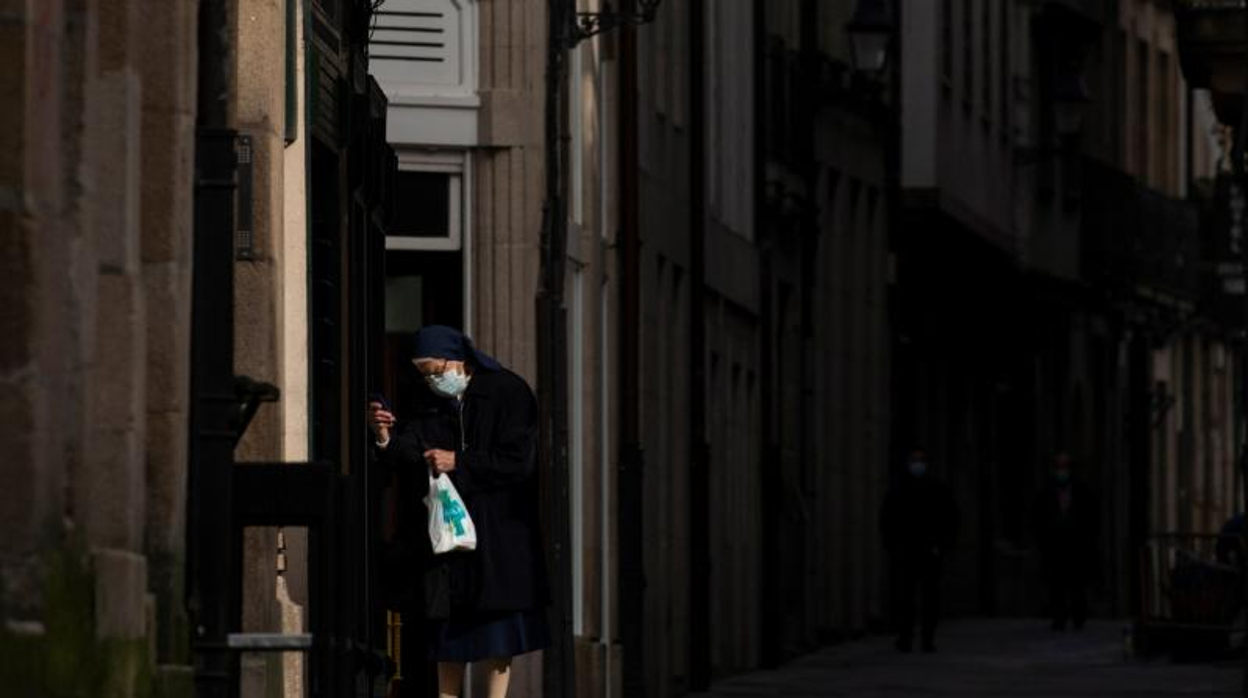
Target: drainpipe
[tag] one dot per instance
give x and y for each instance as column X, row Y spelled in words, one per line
column 631, row 458
column 213, row 593
column 699, row 448
column 552, row 359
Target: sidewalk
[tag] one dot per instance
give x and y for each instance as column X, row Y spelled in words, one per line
column 989, row 658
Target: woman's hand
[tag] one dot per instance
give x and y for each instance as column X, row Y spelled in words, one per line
column 440, row 461
column 381, row 421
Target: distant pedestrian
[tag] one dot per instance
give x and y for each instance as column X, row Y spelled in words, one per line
column 1066, row 522
column 1228, row 550
column 919, row 523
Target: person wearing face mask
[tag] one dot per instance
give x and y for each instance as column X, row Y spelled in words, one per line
column 1066, row 521
column 477, row 423
column 919, row 523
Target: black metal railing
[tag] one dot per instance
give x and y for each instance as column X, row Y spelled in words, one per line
column 1137, row 241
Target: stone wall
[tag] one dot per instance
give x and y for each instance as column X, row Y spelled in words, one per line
column 95, row 239
column 507, row 208
column 259, row 289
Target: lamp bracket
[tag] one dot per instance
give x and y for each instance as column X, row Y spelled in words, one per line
column 590, row 24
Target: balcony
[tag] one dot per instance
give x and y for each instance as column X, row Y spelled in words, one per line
column 1139, row 244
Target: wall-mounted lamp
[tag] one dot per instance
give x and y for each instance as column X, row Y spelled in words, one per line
column 589, row 24
column 870, row 35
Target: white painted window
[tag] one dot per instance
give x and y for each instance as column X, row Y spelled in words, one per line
column 429, row 203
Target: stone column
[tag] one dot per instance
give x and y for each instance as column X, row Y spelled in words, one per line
column 167, row 64
column 35, row 252
column 507, row 208
column 258, row 284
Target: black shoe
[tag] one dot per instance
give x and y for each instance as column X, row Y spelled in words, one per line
column 929, row 647
column 1079, row 623
column 1059, row 624
column 904, row 644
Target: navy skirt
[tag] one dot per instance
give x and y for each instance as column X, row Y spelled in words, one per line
column 488, row 635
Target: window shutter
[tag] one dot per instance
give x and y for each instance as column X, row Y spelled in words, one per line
column 423, row 44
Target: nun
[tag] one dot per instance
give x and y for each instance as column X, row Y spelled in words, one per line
column 477, row 424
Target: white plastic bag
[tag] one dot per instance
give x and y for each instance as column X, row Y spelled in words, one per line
column 450, row 527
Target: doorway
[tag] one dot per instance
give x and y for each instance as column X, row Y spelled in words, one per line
column 425, row 284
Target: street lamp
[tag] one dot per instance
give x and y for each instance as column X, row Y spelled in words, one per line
column 1210, row 37
column 870, row 31
column 591, row 23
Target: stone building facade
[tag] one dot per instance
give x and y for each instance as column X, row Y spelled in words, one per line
column 773, row 289
column 99, row 114
column 1064, row 171
column 473, row 120
column 792, row 307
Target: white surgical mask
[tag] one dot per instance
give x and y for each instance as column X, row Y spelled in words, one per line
column 448, row 383
column 918, row 468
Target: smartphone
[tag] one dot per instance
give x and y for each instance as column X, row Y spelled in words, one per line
column 378, row 397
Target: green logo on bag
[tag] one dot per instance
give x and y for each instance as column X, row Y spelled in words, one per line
column 452, row 512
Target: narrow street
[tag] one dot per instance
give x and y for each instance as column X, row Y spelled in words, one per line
column 990, row 658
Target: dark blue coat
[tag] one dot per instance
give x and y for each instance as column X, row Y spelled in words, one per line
column 494, row 433
column 918, row 516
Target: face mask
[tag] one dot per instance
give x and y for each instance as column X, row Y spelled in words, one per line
column 448, row 383
column 1061, row 476
column 918, row 468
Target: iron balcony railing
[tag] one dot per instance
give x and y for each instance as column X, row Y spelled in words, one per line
column 1139, row 242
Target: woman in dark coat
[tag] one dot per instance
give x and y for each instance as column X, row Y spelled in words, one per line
column 478, row 425
column 1067, row 518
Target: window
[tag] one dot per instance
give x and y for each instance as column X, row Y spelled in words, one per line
column 714, row 112
column 662, row 31
column 428, row 210
column 681, row 60
column 1142, row 110
column 576, row 128
column 946, row 45
column 1003, row 49
column 1165, row 134
column 779, row 101
column 968, row 53
column 985, row 38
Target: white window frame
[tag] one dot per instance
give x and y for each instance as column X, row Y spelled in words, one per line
column 455, row 165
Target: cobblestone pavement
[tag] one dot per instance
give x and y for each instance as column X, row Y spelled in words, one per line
column 990, row 658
